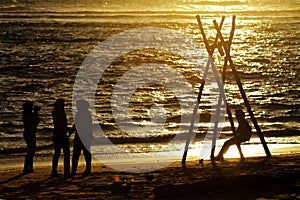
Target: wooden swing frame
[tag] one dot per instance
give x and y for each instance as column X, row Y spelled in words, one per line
column 223, row 46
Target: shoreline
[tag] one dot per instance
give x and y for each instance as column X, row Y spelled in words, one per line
column 250, row 150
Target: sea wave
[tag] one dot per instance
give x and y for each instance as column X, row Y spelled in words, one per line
column 44, row 142
column 18, row 14
column 145, row 5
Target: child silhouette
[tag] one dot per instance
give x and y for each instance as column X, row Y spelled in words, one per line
column 243, row 134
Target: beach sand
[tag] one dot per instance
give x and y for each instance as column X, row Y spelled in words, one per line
column 255, row 178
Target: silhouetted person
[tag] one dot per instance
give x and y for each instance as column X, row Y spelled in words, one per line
column 82, row 126
column 60, row 137
column 243, row 134
column 30, row 120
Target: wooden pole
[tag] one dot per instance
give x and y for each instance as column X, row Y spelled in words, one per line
column 229, row 113
column 210, row 52
column 209, row 49
column 247, row 104
column 222, row 96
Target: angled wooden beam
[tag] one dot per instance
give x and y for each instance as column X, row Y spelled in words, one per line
column 223, row 74
column 244, row 96
column 210, row 51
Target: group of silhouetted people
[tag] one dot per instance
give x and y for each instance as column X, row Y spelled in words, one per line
column 83, row 127
column 61, row 135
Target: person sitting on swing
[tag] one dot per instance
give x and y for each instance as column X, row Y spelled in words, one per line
column 243, row 134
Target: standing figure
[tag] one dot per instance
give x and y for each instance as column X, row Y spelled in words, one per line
column 82, row 127
column 60, row 137
column 243, row 134
column 30, row 120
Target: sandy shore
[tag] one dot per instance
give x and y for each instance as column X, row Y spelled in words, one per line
column 255, row 178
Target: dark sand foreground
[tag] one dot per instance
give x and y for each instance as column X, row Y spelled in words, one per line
column 255, row 178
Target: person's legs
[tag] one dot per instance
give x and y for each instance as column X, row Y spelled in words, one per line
column 31, row 151
column 57, row 150
column 66, row 150
column 226, row 146
column 88, row 160
column 240, row 151
column 76, row 154
column 26, row 167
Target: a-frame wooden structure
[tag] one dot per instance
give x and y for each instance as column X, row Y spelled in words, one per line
column 222, row 45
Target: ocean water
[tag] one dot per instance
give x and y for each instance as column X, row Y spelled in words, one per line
column 43, row 44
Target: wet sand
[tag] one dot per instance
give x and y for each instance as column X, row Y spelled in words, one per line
column 255, row 178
